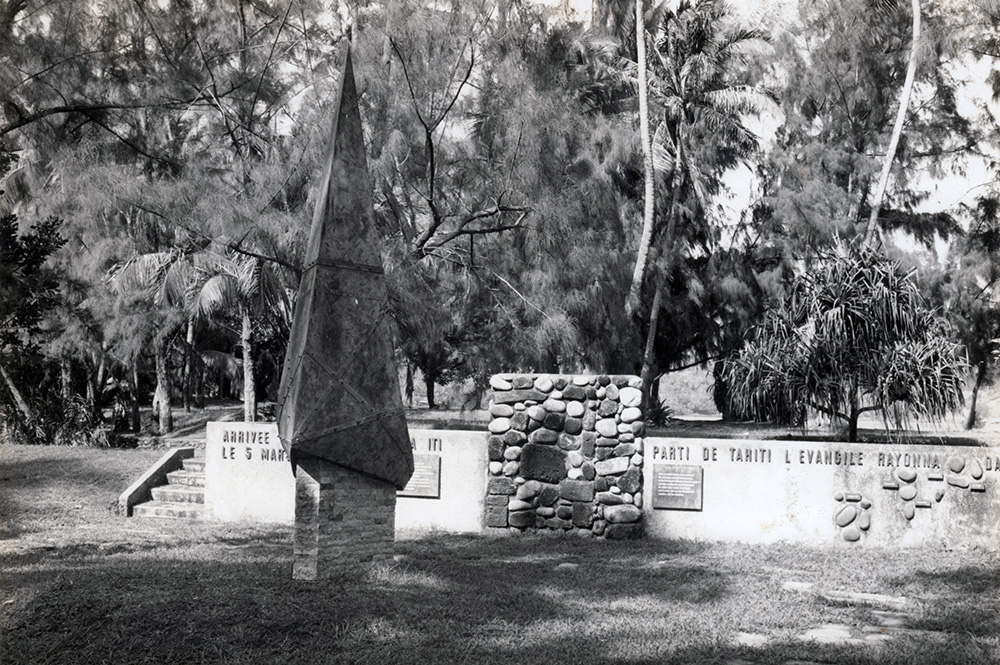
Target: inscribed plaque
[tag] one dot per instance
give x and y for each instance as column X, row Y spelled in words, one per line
column 677, row 486
column 426, row 479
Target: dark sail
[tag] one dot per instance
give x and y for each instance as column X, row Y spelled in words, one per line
column 339, row 398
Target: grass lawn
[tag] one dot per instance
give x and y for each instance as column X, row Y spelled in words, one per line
column 79, row 584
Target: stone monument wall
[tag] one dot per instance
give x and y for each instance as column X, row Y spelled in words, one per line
column 566, row 454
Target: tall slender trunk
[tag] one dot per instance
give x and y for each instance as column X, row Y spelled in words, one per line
column 980, row 380
column 897, row 130
column 136, row 422
column 186, row 378
column 429, row 383
column 99, row 380
column 199, row 394
column 668, row 253
column 649, row 353
column 65, row 379
column 91, row 390
column 161, row 397
column 649, row 192
column 249, row 382
column 19, row 401
column 409, row 384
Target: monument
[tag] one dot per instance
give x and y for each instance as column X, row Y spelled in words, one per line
column 340, row 413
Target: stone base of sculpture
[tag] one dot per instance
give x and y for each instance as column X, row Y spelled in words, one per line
column 344, row 520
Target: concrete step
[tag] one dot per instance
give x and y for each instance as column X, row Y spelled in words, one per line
column 186, row 478
column 178, row 494
column 196, row 464
column 186, row 511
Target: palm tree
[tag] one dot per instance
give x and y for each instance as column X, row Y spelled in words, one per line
column 629, row 22
column 649, row 175
column 244, row 288
column 162, row 280
column 696, row 90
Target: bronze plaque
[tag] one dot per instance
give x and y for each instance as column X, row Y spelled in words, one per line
column 677, row 486
column 426, row 479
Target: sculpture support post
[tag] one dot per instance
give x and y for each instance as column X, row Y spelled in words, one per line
column 342, row 519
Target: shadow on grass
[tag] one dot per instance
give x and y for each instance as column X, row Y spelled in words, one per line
column 969, row 601
column 448, row 599
column 484, row 601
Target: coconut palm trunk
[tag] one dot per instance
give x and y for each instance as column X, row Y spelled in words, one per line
column 188, row 353
column 649, row 354
column 65, row 379
column 136, row 423
column 22, row 404
column 161, row 396
column 649, row 185
column 897, row 130
column 249, row 381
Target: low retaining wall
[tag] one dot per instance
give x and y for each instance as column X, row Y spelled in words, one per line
column 822, row 493
column 248, row 477
column 834, row 494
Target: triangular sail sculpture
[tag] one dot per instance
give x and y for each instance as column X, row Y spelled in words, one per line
column 339, row 398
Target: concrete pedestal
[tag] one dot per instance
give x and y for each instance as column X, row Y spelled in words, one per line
column 344, row 520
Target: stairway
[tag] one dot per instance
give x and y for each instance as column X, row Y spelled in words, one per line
column 183, row 497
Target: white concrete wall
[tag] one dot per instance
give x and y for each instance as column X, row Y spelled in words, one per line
column 768, row 491
column 464, row 466
column 248, row 477
column 753, row 491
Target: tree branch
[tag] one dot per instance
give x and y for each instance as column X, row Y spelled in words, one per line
column 423, row 248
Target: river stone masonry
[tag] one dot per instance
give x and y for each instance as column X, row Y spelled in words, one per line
column 565, row 454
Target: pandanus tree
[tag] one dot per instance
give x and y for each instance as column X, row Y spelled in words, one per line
column 854, row 336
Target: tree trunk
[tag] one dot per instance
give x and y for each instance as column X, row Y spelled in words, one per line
column 649, row 353
column 100, row 381
column 136, row 422
column 19, row 401
column 249, row 382
column 429, row 383
column 668, row 253
column 161, row 397
column 66, row 379
column 980, row 379
column 649, row 192
column 199, row 395
column 408, row 389
column 91, row 391
column 852, row 427
column 897, row 130
column 186, row 379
